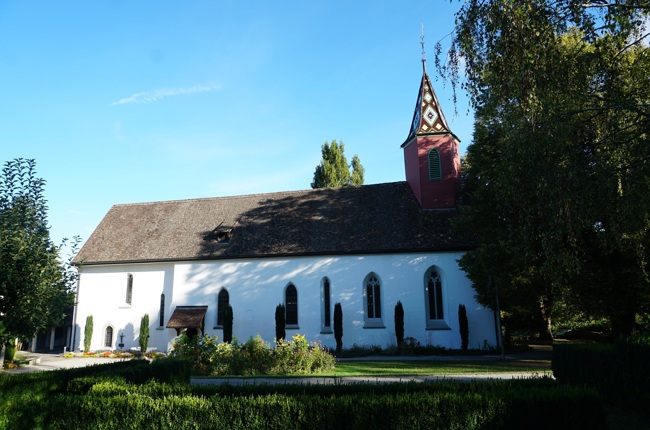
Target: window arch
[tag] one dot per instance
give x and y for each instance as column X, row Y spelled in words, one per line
column 435, row 169
column 326, row 307
column 372, row 301
column 108, row 337
column 161, row 312
column 434, row 299
column 223, row 300
column 291, row 305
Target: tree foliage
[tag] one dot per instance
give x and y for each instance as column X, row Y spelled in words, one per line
column 280, row 322
column 334, row 171
column 557, row 175
column 143, row 340
column 399, row 325
column 88, row 333
column 227, row 324
column 36, row 287
column 338, row 326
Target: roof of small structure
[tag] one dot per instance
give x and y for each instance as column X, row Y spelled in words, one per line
column 379, row 218
column 187, row 317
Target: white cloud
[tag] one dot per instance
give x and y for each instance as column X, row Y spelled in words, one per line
column 162, row 93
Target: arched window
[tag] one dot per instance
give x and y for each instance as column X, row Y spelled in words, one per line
column 129, row 288
column 435, row 170
column 161, row 312
column 434, row 299
column 223, row 300
column 372, row 302
column 326, row 306
column 108, row 337
column 291, row 304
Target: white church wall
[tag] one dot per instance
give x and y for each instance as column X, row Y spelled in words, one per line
column 256, row 287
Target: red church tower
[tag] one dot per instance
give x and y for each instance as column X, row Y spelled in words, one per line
column 431, row 156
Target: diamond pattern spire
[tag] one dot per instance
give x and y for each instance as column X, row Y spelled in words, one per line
column 428, row 117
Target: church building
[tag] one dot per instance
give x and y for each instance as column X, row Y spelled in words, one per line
column 182, row 262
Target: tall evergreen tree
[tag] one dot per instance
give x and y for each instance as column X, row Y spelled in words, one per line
column 280, row 322
column 144, row 334
column 34, row 284
column 334, row 171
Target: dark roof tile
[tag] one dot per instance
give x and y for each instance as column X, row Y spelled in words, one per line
column 351, row 220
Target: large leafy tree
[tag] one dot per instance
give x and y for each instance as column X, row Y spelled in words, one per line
column 334, row 171
column 36, row 287
column 557, row 175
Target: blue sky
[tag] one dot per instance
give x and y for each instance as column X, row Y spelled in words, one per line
column 123, row 102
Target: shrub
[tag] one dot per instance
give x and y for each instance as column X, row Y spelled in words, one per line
column 254, row 357
column 338, row 327
column 88, row 333
column 10, row 351
column 464, row 327
column 618, row 371
column 280, row 322
column 144, row 333
column 399, row 325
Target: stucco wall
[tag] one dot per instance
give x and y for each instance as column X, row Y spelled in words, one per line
column 256, row 286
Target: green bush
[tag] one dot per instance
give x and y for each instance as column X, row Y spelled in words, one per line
column 618, row 371
column 399, row 325
column 88, row 333
column 144, row 333
column 254, row 357
column 112, row 404
column 102, row 397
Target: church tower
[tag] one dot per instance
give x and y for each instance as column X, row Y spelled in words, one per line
column 431, row 156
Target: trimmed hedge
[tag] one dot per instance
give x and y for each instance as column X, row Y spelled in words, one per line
column 566, row 408
column 100, row 398
column 619, row 372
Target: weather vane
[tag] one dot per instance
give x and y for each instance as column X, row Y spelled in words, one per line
column 424, row 58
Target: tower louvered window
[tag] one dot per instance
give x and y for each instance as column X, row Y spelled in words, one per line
column 435, row 170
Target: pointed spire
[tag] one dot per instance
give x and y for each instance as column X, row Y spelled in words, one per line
column 428, row 117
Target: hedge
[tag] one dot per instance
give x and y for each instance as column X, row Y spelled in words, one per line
column 112, row 401
column 618, row 371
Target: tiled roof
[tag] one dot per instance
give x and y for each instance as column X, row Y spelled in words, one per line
column 187, row 317
column 351, row 220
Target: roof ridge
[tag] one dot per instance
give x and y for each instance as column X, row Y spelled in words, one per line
column 242, row 196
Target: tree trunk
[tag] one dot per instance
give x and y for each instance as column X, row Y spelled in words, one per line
column 545, row 332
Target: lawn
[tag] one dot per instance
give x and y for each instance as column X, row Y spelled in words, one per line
column 436, row 367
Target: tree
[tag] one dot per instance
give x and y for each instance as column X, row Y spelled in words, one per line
column 144, row 333
column 280, row 322
column 334, row 171
column 556, row 178
column 338, row 326
column 35, row 285
column 399, row 325
column 227, row 324
column 88, row 333
column 463, row 324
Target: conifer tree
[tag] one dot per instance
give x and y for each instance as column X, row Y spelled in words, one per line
column 144, row 333
column 280, row 322
column 334, row 171
column 338, row 326
column 88, row 333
